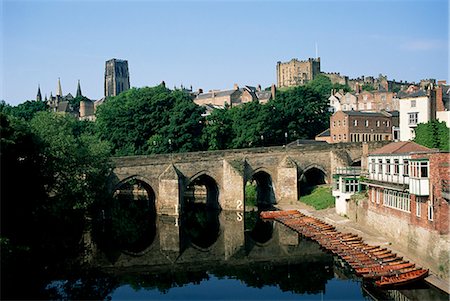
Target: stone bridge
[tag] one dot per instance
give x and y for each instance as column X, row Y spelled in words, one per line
column 221, row 176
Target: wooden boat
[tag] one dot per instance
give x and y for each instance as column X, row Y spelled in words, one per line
column 401, row 279
column 374, row 276
column 375, row 263
column 367, row 270
column 380, row 269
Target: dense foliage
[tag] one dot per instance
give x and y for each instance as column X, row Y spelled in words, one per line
column 433, row 134
column 150, row 120
column 53, row 170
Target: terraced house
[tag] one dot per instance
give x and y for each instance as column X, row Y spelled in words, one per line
column 408, row 184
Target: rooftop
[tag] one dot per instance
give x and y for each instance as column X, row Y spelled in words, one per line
column 402, row 147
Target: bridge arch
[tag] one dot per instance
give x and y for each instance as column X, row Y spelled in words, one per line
column 202, row 188
column 311, row 176
column 261, row 179
column 130, row 216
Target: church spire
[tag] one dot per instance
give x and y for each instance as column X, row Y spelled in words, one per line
column 59, row 90
column 79, row 90
column 39, row 96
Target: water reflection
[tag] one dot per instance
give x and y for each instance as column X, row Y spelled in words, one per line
column 200, row 225
column 258, row 230
column 128, row 223
column 227, row 265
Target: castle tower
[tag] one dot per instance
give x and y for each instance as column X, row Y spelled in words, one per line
column 39, row 96
column 117, row 77
column 297, row 73
column 79, row 90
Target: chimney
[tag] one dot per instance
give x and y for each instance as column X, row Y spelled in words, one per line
column 236, row 87
column 273, row 90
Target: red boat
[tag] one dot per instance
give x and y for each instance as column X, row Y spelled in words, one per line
column 401, row 279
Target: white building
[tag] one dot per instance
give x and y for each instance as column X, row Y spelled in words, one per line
column 345, row 184
column 414, row 108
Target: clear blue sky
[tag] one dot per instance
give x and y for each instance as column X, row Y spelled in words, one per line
column 214, row 44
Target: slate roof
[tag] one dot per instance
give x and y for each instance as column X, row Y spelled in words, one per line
column 325, row 133
column 360, row 113
column 402, row 147
column 264, row 94
column 216, row 94
column 419, row 93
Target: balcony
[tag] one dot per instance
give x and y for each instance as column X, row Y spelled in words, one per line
column 350, row 171
column 419, row 186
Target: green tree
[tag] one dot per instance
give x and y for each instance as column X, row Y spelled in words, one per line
column 433, row 134
column 28, row 109
column 217, row 133
column 76, row 162
column 141, row 121
column 367, row 87
column 321, row 85
column 304, row 112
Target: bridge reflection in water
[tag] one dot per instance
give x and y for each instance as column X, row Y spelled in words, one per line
column 204, row 242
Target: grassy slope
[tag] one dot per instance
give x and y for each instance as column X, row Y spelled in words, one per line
column 319, row 198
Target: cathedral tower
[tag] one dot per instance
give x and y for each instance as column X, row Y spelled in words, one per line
column 38, row 95
column 117, row 77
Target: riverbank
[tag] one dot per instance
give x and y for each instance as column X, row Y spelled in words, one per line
column 370, row 236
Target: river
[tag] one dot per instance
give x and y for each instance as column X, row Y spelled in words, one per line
column 208, row 254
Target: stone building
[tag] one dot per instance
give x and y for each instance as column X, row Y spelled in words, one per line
column 117, row 77
column 354, row 126
column 297, row 73
column 234, row 97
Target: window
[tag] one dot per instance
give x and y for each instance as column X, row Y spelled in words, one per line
column 412, row 118
column 378, row 123
column 418, row 207
column 396, row 166
column 339, row 137
column 380, row 166
column 396, row 200
column 430, row 210
column 378, row 196
column 334, row 137
column 388, row 123
column 388, row 166
column 419, row 169
column 355, row 122
column 373, row 165
column 334, row 123
column 345, row 137
column 339, row 123
column 373, row 195
column 406, row 167
column 351, row 185
column 413, row 103
column 367, row 123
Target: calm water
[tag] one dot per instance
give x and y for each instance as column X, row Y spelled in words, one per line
column 216, row 255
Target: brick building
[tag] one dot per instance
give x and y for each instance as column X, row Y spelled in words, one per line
column 410, row 182
column 354, row 126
